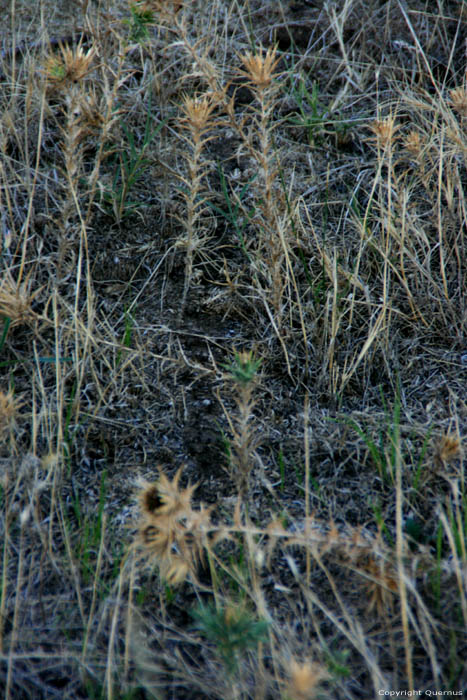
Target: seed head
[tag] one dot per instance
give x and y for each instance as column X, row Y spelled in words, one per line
column 413, row 143
column 459, row 100
column 170, row 532
column 259, row 67
column 9, row 406
column 70, row 67
column 384, row 130
column 197, row 112
column 166, row 8
column 16, row 300
column 304, row 679
column 448, row 448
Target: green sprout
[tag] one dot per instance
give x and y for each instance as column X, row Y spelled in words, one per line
column 232, row 629
column 141, row 19
column 244, row 367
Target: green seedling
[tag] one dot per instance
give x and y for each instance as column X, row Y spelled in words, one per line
column 233, row 208
column 312, row 115
column 456, row 661
column 127, row 335
column 299, row 475
column 139, row 23
column 413, row 527
column 67, row 435
column 243, row 368
column 458, row 526
column 232, row 629
column 95, row 690
column 142, row 596
column 336, row 661
column 6, row 325
column 362, row 217
column 131, row 164
column 376, row 451
column 435, row 576
column 318, row 285
column 169, row 594
column 386, row 450
column 419, row 466
column 382, row 527
column 90, row 533
column 281, row 462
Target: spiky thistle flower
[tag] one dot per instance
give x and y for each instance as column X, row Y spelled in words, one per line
column 384, row 130
column 9, row 406
column 170, row 532
column 380, row 583
column 197, row 121
column 447, row 449
column 16, row 299
column 197, row 113
column 71, row 66
column 244, row 367
column 413, row 143
column 304, row 680
column 459, row 100
column 260, row 68
column 165, row 8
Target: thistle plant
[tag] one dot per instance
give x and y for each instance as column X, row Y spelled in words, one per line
column 385, row 131
column 243, row 371
column 171, row 533
column 9, row 406
column 142, row 17
column 197, row 121
column 232, row 629
column 260, row 71
column 17, row 298
column 304, row 680
column 64, row 76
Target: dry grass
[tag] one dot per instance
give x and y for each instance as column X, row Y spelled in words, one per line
column 232, row 283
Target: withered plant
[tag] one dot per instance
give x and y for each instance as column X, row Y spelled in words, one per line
column 241, row 448
column 197, row 122
column 272, row 218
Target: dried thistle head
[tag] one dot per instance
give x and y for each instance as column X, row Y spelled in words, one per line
column 9, row 406
column 198, row 111
column 447, row 449
column 413, row 143
column 164, row 497
column 70, row 67
column 149, row 498
column 16, row 300
column 165, row 8
column 380, row 583
column 260, row 67
column 459, row 100
column 384, row 130
column 304, row 680
column 170, row 532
